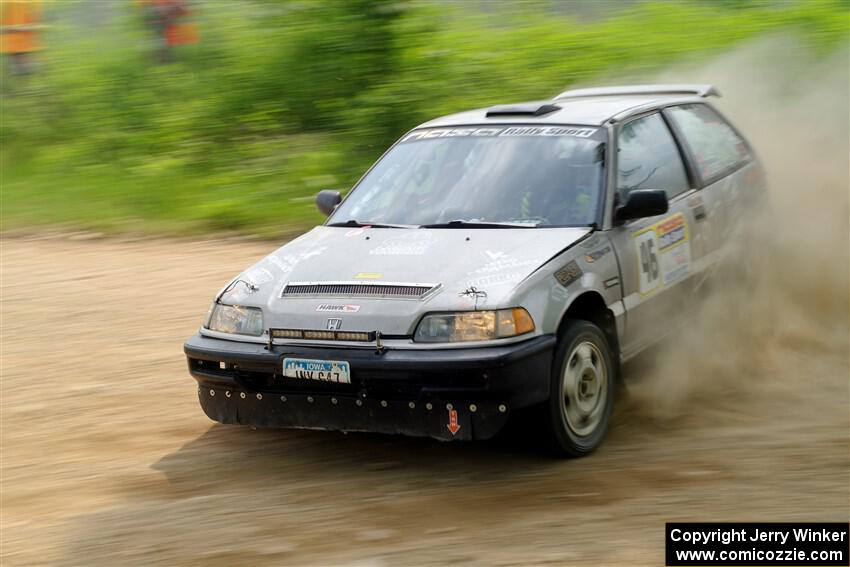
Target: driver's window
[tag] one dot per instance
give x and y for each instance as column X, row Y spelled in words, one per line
column 648, row 158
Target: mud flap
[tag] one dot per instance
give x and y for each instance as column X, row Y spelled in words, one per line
column 444, row 420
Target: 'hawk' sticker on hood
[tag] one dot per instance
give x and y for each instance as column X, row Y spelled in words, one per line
column 338, row 308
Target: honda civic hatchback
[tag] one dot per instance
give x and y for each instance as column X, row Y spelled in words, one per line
column 491, row 261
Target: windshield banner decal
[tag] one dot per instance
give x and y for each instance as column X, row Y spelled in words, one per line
column 499, row 131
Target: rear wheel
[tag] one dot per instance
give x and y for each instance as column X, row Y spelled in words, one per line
column 581, row 389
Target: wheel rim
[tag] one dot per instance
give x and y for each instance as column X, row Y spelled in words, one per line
column 584, row 388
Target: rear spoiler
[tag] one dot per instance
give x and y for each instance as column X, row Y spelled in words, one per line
column 699, row 90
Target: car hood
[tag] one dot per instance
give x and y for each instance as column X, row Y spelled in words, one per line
column 493, row 261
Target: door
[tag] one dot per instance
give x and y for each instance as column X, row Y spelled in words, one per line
column 656, row 254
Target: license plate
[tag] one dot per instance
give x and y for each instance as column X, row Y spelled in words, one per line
column 322, row 370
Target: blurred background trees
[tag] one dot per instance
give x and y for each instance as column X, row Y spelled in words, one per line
column 279, row 99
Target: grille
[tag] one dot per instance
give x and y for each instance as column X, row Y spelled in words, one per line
column 358, row 289
column 360, row 336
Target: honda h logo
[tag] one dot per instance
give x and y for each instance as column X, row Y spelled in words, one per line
column 334, row 324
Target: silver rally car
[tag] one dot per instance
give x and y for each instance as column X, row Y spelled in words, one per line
column 491, row 261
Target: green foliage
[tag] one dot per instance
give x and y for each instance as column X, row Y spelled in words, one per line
column 282, row 99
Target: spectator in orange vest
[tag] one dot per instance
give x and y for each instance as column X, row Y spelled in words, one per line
column 168, row 19
column 19, row 26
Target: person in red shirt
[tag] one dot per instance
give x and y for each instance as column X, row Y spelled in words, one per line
column 169, row 20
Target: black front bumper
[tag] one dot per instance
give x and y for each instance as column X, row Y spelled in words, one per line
column 412, row 392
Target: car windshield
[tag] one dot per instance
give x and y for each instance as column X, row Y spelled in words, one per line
column 522, row 176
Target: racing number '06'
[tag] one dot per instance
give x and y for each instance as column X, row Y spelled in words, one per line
column 648, row 259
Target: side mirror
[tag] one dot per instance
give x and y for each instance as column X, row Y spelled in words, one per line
column 327, row 200
column 642, row 203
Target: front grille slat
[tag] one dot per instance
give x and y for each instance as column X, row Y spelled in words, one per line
column 358, row 289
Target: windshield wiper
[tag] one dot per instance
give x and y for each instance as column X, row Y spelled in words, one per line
column 355, row 223
column 479, row 224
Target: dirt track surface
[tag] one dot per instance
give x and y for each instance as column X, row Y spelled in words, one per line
column 108, row 460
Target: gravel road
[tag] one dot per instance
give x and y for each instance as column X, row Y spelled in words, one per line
column 107, row 458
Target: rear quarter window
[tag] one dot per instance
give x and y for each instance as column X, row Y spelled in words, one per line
column 716, row 148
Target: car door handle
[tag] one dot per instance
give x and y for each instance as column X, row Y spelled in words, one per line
column 700, row 213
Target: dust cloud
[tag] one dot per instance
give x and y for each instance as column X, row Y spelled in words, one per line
column 786, row 292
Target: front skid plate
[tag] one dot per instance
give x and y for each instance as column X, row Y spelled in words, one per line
column 344, row 414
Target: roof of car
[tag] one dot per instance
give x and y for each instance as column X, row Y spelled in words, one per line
column 591, row 107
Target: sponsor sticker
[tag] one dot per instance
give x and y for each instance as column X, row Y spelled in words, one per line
column 591, row 257
column 591, row 241
column 411, row 244
column 496, row 279
column 260, row 276
column 334, row 308
column 499, row 262
column 663, row 253
column 429, row 133
column 569, row 273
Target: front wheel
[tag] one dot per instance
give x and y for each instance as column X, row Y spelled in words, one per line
column 581, row 389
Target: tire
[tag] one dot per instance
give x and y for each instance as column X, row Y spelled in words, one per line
column 581, row 389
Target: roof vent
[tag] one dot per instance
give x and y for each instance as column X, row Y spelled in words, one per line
column 526, row 109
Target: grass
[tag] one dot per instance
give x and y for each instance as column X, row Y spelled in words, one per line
column 280, row 100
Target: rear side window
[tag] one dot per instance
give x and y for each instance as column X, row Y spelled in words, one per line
column 648, row 158
column 716, row 148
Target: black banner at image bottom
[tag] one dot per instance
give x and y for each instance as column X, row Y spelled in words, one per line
column 763, row 544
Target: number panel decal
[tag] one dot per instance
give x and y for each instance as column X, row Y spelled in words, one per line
column 663, row 253
column 647, row 260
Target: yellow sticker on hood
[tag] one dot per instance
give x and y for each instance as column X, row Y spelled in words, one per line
column 368, row 275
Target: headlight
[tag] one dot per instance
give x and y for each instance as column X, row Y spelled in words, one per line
column 235, row 319
column 473, row 326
